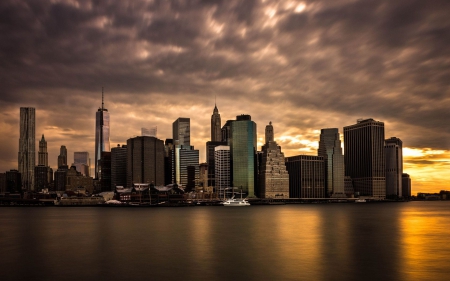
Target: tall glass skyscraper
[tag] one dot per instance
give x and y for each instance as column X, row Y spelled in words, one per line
column 181, row 131
column 101, row 136
column 364, row 157
column 330, row 149
column 27, row 146
column 243, row 153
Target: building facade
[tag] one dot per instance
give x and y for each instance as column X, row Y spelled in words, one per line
column 82, row 162
column 62, row 157
column 118, row 166
column 273, row 176
column 27, row 147
column 13, row 181
column 181, row 131
column 102, row 131
column 243, row 154
column 42, row 153
column 183, row 158
column 145, row 161
column 393, row 148
column 331, row 151
column 406, row 186
column 306, row 176
column 364, row 157
column 222, row 167
column 216, row 126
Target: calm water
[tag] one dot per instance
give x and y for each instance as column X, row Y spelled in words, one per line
column 392, row 241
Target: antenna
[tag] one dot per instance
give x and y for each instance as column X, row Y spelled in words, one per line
column 102, row 98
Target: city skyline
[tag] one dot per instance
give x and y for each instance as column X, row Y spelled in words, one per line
column 304, row 66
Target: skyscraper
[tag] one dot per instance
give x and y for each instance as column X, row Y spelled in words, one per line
column 183, row 158
column 306, row 176
column 364, row 157
column 118, row 166
column 62, row 157
column 43, row 154
column 394, row 167
column 243, row 154
column 273, row 177
column 216, row 125
column 222, row 168
column 181, row 129
column 82, row 162
column 145, row 161
column 27, row 147
column 101, row 135
column 330, row 149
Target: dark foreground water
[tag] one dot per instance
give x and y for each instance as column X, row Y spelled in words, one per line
column 385, row 241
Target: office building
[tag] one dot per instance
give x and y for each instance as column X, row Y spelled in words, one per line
column 216, row 140
column 181, row 131
column 43, row 154
column 331, row 151
column 77, row 182
column 27, row 147
column 306, row 176
column 406, row 186
column 184, row 157
column 243, row 154
column 101, row 135
column 364, row 157
column 118, row 166
column 62, row 157
column 82, row 162
column 60, row 178
column 145, row 161
column 41, row 177
column 203, row 176
column 13, row 181
column 222, row 162
column 169, row 161
column 2, row 183
column 393, row 149
column 226, row 132
column 105, row 171
column 149, row 132
column 273, row 176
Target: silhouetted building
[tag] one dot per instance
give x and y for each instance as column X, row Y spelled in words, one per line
column 226, row 132
column 60, row 178
column 2, row 182
column 243, row 154
column 181, row 130
column 364, row 157
column 27, row 147
column 118, row 166
column 273, row 176
column 101, row 135
column 222, row 162
column 406, row 186
column 203, row 175
column 394, row 167
column 168, row 162
column 13, row 181
column 62, row 157
column 216, row 124
column 306, row 176
column 348, row 187
column 105, row 171
column 210, row 146
column 75, row 181
column 330, row 149
column 145, row 161
column 191, row 178
column 43, row 154
column 184, row 156
column 41, row 177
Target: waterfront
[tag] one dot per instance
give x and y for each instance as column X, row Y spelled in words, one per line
column 385, row 241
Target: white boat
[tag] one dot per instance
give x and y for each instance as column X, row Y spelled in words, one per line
column 233, row 202
column 360, row 201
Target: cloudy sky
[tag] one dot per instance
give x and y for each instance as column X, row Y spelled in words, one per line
column 304, row 65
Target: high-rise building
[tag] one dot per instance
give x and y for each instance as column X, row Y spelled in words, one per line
column 330, row 149
column 243, row 154
column 105, row 171
column 27, row 147
column 60, row 178
column 216, row 125
column 364, row 157
column 145, row 161
column 43, row 154
column 273, row 177
column 168, row 162
column 41, row 177
column 226, row 132
column 82, row 162
column 101, row 135
column 149, row 132
column 2, row 183
column 62, row 157
column 222, row 164
column 13, row 181
column 118, row 166
column 306, row 176
column 406, row 186
column 181, row 130
column 393, row 148
column 184, row 157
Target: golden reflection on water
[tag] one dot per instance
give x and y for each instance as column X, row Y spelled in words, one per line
column 425, row 252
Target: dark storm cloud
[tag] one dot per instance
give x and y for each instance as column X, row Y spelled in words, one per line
column 304, row 65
